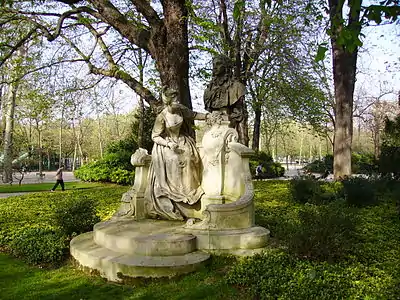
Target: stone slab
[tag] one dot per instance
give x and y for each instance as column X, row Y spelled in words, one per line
column 229, row 241
column 144, row 237
column 115, row 265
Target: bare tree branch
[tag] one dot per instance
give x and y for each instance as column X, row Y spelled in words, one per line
column 17, row 46
column 144, row 7
column 108, row 13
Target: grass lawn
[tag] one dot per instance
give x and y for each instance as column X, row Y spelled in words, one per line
column 40, row 187
column 328, row 250
column 19, row 281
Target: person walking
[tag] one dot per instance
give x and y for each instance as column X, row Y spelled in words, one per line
column 59, row 178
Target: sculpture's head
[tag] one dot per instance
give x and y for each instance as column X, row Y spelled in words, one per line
column 170, row 97
column 221, row 65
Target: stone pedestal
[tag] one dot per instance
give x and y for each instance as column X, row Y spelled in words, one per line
column 122, row 248
column 129, row 245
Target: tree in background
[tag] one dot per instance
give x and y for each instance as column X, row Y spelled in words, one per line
column 346, row 19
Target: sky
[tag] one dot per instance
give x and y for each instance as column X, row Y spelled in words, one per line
column 378, row 65
column 379, row 59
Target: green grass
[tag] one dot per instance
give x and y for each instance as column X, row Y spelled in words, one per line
column 367, row 269
column 19, row 281
column 40, row 187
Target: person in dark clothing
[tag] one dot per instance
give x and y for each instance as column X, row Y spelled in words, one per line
column 59, row 178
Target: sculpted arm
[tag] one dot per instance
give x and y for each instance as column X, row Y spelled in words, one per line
column 157, row 133
column 189, row 114
column 158, row 130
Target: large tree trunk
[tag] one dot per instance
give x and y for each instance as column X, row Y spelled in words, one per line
column 9, row 109
column 344, row 74
column 344, row 67
column 256, row 129
column 141, row 104
column 170, row 49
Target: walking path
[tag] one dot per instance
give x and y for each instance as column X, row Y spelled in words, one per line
column 32, row 177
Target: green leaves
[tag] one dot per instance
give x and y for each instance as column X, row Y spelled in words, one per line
column 238, row 8
column 386, row 10
column 321, row 52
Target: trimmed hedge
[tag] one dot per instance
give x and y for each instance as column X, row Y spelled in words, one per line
column 102, row 171
column 38, row 227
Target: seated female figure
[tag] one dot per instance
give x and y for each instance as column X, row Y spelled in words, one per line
column 174, row 183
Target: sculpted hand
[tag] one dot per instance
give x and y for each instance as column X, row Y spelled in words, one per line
column 172, row 145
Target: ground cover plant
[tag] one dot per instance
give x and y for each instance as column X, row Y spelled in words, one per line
column 327, row 247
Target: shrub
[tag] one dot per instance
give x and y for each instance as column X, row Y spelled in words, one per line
column 389, row 161
column 75, row 215
column 308, row 190
column 322, row 232
column 359, row 191
column 121, row 176
column 104, row 171
column 40, row 246
column 270, row 169
column 363, row 163
column 304, row 190
column 320, row 166
column 276, row 275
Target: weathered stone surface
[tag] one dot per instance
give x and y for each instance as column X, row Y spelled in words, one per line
column 146, row 237
column 115, row 265
column 228, row 241
column 210, row 187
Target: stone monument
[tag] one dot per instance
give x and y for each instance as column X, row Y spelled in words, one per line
column 186, row 202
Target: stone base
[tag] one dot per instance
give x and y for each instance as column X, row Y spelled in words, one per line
column 147, row 248
column 123, row 248
column 114, row 266
column 232, row 241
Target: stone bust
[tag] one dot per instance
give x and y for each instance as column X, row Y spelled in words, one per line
column 224, row 93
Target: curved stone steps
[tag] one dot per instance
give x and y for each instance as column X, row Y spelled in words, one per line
column 116, row 265
column 148, row 237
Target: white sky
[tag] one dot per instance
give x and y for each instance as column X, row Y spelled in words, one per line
column 379, row 61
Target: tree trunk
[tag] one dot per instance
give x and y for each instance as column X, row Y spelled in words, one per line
column 40, row 153
column 141, row 104
column 60, row 138
column 170, row 49
column 344, row 67
column 256, row 129
column 9, row 111
column 99, row 135
column 344, row 74
column 75, row 155
column 3, row 111
column 242, row 128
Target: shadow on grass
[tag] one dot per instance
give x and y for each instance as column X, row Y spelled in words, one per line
column 19, row 281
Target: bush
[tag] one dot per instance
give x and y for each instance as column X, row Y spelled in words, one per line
column 308, row 190
column 320, row 166
column 121, row 176
column 362, row 163
column 40, row 246
column 105, row 171
column 276, row 275
column 75, row 215
column 359, row 192
column 270, row 169
column 389, row 161
column 323, row 232
column 114, row 167
column 305, row 190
